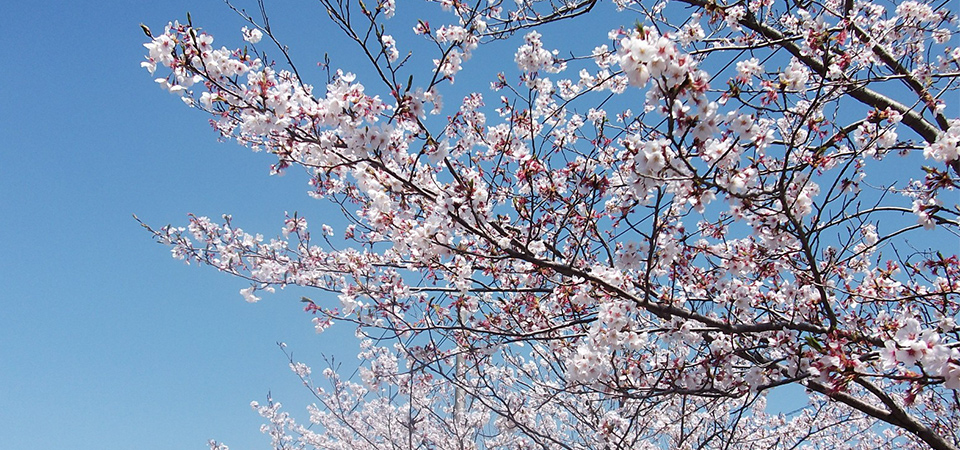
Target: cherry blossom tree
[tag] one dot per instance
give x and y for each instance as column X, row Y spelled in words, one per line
column 626, row 247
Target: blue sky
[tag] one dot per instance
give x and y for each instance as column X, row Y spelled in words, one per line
column 105, row 341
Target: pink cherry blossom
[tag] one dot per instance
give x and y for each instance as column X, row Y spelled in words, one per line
column 630, row 243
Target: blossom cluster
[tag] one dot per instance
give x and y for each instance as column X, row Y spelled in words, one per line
column 612, row 232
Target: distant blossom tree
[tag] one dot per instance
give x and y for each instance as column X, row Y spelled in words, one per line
column 627, row 248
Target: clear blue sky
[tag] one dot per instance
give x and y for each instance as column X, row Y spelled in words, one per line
column 106, row 342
